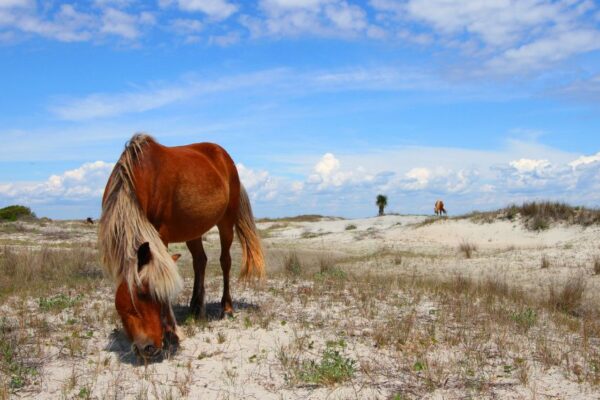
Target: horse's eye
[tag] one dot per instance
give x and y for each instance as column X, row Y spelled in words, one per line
column 142, row 295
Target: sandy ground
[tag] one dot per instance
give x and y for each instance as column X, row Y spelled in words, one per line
column 286, row 322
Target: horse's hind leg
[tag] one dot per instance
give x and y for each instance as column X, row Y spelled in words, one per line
column 226, row 236
column 197, row 306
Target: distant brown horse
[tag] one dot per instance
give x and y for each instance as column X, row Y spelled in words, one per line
column 438, row 209
column 89, row 221
column 158, row 195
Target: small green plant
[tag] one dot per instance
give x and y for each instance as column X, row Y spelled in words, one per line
column 524, row 319
column 331, row 369
column 84, row 393
column 418, row 366
column 58, row 302
column 333, row 273
column 350, row 227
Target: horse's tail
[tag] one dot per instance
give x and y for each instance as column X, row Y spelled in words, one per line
column 124, row 227
column 253, row 262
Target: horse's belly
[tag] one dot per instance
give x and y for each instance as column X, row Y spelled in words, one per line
column 195, row 210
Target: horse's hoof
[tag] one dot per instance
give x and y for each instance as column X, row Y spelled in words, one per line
column 198, row 312
column 227, row 314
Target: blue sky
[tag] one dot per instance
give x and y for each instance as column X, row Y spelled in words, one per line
column 322, row 103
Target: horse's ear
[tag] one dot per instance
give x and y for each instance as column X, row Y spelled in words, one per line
column 144, row 255
column 175, row 257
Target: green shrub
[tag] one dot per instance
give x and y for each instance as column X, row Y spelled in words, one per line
column 15, row 212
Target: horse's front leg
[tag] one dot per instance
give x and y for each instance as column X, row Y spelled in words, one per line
column 197, row 306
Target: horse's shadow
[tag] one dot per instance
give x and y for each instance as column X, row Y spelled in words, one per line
column 214, row 311
column 120, row 344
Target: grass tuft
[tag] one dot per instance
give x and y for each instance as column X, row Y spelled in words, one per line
column 545, row 263
column 467, row 248
column 292, row 265
column 568, row 296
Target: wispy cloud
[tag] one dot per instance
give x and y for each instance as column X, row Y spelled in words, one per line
column 155, row 96
column 216, row 9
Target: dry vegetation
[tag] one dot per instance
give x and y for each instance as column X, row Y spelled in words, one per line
column 338, row 317
column 538, row 216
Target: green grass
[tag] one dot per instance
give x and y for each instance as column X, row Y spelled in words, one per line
column 332, row 368
column 58, row 302
column 524, row 319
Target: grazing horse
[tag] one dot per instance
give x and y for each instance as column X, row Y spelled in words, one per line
column 438, row 209
column 158, row 195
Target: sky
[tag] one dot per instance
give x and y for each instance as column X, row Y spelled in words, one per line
column 323, row 104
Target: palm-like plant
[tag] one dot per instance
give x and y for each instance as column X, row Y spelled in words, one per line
column 381, row 202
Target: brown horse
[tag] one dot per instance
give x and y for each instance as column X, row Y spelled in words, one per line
column 158, row 195
column 438, row 209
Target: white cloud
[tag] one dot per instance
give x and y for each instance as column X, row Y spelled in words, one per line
column 259, row 184
column 585, row 89
column 528, row 165
column 327, row 174
column 119, row 23
column 15, row 3
column 66, row 25
column 329, row 18
column 186, row 26
column 347, row 17
column 217, row 9
column 85, row 182
column 281, row 5
column 465, row 179
column 585, row 160
column 105, row 105
column 418, row 178
column 546, row 50
column 508, row 35
column 225, row 40
column 154, row 96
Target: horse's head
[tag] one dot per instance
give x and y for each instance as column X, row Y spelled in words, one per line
column 147, row 321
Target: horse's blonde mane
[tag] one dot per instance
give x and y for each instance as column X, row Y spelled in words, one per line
column 124, row 227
